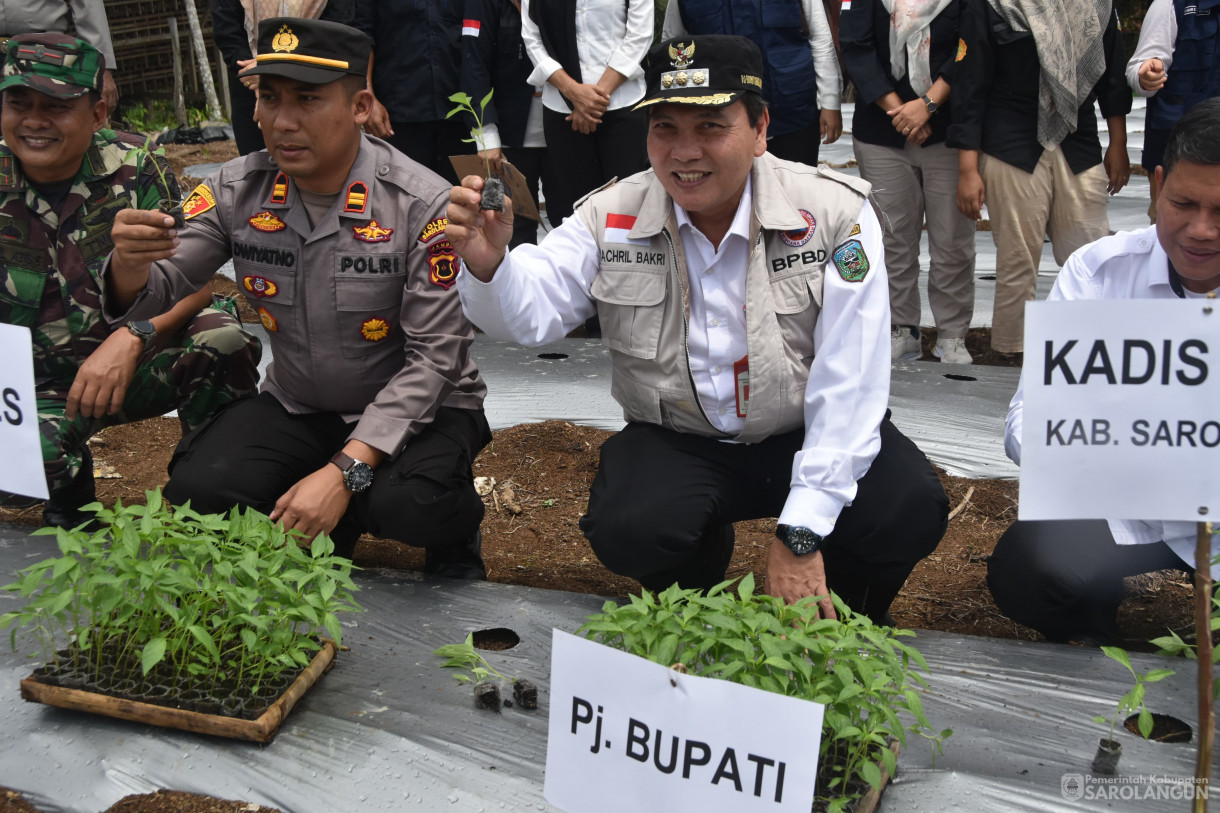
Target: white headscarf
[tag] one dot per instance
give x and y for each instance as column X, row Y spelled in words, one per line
column 257, row 10
column 911, row 39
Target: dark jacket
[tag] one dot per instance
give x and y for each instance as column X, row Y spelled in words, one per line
column 495, row 58
column 864, row 40
column 782, row 34
column 229, row 26
column 995, row 100
column 1195, row 72
column 416, row 54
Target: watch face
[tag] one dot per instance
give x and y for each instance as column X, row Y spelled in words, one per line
column 801, row 541
column 358, row 477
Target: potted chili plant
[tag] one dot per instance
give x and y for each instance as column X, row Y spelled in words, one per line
column 186, row 614
column 862, row 673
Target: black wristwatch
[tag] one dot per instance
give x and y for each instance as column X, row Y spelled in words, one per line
column 800, row 541
column 357, row 476
column 143, row 329
column 928, row 103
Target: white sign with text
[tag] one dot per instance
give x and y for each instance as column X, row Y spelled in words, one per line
column 629, row 734
column 1122, row 410
column 21, row 471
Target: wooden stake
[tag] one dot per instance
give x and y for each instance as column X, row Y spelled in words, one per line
column 1203, row 627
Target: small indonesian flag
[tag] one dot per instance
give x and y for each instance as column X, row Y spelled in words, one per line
column 846, row 5
column 470, row 28
column 617, row 227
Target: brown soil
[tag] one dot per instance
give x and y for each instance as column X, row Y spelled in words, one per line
column 165, row 801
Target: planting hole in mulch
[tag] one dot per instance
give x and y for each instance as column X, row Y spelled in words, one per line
column 552, row 356
column 496, row 639
column 954, row 377
column 987, row 276
column 1165, row 728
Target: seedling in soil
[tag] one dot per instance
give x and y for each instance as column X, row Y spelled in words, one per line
column 222, row 606
column 476, row 669
column 1109, row 750
column 170, row 201
column 493, row 187
column 862, row 673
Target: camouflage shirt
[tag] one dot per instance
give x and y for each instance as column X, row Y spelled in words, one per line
column 51, row 257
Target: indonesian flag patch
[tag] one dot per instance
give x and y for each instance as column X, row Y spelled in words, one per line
column 200, row 201
column 470, row 28
column 617, row 227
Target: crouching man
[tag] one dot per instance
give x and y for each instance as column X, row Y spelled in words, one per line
column 62, row 180
column 372, row 411
column 1064, row 578
column 744, row 302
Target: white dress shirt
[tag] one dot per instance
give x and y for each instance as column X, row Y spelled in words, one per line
column 821, row 43
column 1127, row 265
column 540, row 293
column 609, row 34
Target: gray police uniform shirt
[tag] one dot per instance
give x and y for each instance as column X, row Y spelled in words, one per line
column 361, row 310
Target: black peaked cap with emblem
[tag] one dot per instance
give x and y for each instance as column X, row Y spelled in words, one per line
column 316, row 52
column 712, row 70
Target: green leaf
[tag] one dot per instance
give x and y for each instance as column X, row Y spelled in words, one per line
column 1145, row 723
column 871, row 774
column 152, row 654
column 745, row 588
column 1157, row 674
column 203, row 637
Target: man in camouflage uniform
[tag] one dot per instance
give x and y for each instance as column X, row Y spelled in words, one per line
column 62, row 179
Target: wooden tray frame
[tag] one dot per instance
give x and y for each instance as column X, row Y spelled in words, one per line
column 869, row 801
column 261, row 730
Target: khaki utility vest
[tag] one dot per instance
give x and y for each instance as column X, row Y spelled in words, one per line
column 801, row 214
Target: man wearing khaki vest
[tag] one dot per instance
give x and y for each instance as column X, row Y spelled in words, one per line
column 745, row 306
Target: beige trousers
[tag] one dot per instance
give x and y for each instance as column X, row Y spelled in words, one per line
column 1024, row 208
column 909, row 185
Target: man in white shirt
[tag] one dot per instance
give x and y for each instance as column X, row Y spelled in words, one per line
column 744, row 302
column 1064, row 578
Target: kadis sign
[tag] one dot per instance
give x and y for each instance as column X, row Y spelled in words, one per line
column 1122, row 410
column 629, row 734
column 22, row 471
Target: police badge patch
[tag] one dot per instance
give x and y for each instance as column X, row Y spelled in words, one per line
column 444, row 267
column 259, row 286
column 799, row 237
column 851, row 261
column 265, row 221
column 268, row 320
column 200, row 201
column 374, row 329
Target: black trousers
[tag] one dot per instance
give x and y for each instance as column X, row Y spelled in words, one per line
column 1064, row 578
column 799, row 145
column 432, row 142
column 661, row 501
column 245, row 131
column 255, row 450
column 581, row 162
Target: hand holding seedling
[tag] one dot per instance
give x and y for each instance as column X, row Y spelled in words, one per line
column 793, row 577
column 480, row 238
column 141, row 237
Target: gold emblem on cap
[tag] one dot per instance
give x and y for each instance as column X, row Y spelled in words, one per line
column 698, row 77
column 285, row 40
column 667, row 80
column 680, row 78
column 751, row 80
column 681, row 55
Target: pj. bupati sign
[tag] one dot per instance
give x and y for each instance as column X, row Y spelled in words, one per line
column 629, row 734
column 1122, row 410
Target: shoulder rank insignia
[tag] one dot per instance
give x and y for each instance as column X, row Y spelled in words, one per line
column 279, row 192
column 372, row 233
column 851, row 261
column 433, row 228
column 444, row 267
column 259, row 287
column 854, row 230
column 268, row 320
column 375, row 329
column 265, row 221
column 799, row 237
column 357, row 198
column 199, row 201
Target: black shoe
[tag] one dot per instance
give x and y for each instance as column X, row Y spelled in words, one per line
column 461, row 561
column 63, row 508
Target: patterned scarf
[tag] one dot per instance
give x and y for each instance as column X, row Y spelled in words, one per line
column 257, row 10
column 1071, row 55
column 911, row 39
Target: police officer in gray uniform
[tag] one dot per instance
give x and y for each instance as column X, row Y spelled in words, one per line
column 371, row 412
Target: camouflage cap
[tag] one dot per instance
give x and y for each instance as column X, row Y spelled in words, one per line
column 54, row 64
